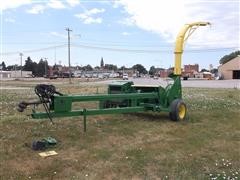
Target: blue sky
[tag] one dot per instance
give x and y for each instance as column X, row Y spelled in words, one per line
column 123, row 32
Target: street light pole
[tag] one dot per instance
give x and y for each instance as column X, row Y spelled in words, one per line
column 21, row 55
column 69, row 61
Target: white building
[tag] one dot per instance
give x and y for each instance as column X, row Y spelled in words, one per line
column 15, row 74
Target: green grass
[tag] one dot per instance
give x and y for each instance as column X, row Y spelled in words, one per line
column 130, row 146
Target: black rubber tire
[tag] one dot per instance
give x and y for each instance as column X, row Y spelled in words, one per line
column 175, row 110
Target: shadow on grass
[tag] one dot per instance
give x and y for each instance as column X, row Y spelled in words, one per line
column 149, row 116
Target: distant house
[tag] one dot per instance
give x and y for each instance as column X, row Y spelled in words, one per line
column 129, row 71
column 190, row 70
column 231, row 69
column 163, row 73
column 15, row 74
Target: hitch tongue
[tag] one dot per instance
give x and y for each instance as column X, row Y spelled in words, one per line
column 23, row 105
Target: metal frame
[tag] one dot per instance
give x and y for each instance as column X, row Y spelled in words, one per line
column 62, row 105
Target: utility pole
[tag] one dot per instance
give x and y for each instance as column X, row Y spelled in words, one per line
column 21, row 55
column 69, row 62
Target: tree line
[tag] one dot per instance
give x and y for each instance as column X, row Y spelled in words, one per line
column 229, row 57
column 38, row 69
column 41, row 68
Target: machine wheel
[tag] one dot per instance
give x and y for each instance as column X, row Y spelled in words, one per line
column 178, row 110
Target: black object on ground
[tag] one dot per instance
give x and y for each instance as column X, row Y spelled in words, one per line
column 44, row 143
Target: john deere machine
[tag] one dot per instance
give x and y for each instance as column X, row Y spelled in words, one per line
column 122, row 97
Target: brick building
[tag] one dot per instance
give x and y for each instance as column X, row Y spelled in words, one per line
column 189, row 70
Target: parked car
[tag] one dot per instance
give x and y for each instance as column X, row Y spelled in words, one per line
column 29, row 76
column 95, row 75
column 66, row 75
column 100, row 76
column 53, row 77
column 155, row 77
column 125, row 76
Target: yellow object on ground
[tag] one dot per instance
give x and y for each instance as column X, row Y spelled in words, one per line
column 48, row 153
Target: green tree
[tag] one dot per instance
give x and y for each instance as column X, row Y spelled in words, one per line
column 96, row 67
column 3, row 65
column 229, row 57
column 214, row 71
column 13, row 67
column 152, row 70
column 102, row 63
column 42, row 68
column 34, row 68
column 28, row 65
column 140, row 68
column 37, row 69
column 110, row 67
column 122, row 68
column 87, row 68
column 204, row 70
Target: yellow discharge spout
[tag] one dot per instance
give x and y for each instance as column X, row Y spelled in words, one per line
column 181, row 39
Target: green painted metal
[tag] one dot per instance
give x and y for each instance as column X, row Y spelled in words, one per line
column 173, row 91
column 85, row 120
column 122, row 97
column 77, row 98
column 40, row 115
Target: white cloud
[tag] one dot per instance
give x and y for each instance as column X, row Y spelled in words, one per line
column 87, row 16
column 10, row 20
column 73, row 3
column 95, row 11
column 37, row 9
column 167, row 17
column 127, row 21
column 91, row 20
column 55, row 4
column 116, row 4
column 81, row 16
column 125, row 33
column 38, row 6
column 10, row 4
column 88, row 19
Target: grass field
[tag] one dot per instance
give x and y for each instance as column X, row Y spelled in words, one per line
column 130, row 146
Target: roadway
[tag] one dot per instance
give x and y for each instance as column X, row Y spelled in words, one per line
column 189, row 83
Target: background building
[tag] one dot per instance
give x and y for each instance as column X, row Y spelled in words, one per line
column 231, row 69
column 189, row 70
column 15, row 74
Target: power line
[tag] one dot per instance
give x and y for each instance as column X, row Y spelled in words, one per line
column 148, row 51
column 35, row 50
column 116, row 43
column 37, row 43
column 106, row 48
